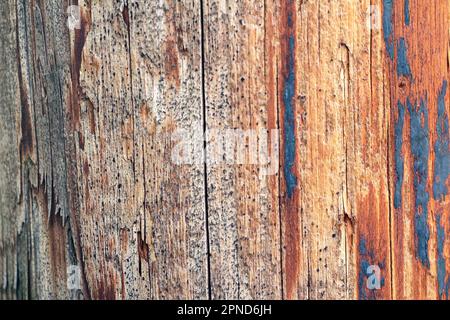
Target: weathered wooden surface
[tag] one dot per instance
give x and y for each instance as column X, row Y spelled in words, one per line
column 243, row 202
column 324, row 129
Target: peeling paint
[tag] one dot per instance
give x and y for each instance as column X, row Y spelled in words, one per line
column 399, row 161
column 362, row 278
column 420, row 148
column 443, row 287
column 289, row 121
column 407, row 16
column 441, row 148
column 388, row 31
column 403, row 67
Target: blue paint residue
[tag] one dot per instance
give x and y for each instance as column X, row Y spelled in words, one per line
column 407, row 17
column 362, row 279
column 367, row 258
column 403, row 68
column 289, row 121
column 399, row 161
column 290, row 20
column 441, row 149
column 420, row 148
column 441, row 269
column 388, row 31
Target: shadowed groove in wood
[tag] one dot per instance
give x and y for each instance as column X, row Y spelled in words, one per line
column 205, row 155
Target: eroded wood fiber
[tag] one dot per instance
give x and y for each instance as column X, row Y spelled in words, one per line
column 224, row 149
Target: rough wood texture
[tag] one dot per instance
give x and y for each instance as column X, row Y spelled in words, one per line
column 418, row 75
column 225, row 149
column 240, row 110
column 142, row 218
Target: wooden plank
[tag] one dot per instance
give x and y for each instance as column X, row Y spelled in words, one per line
column 101, row 118
column 369, row 168
column 242, row 122
column 142, row 217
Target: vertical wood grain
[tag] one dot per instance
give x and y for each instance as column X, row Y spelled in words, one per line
column 10, row 161
column 166, row 60
column 335, row 152
column 37, row 234
column 142, row 217
column 240, row 88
